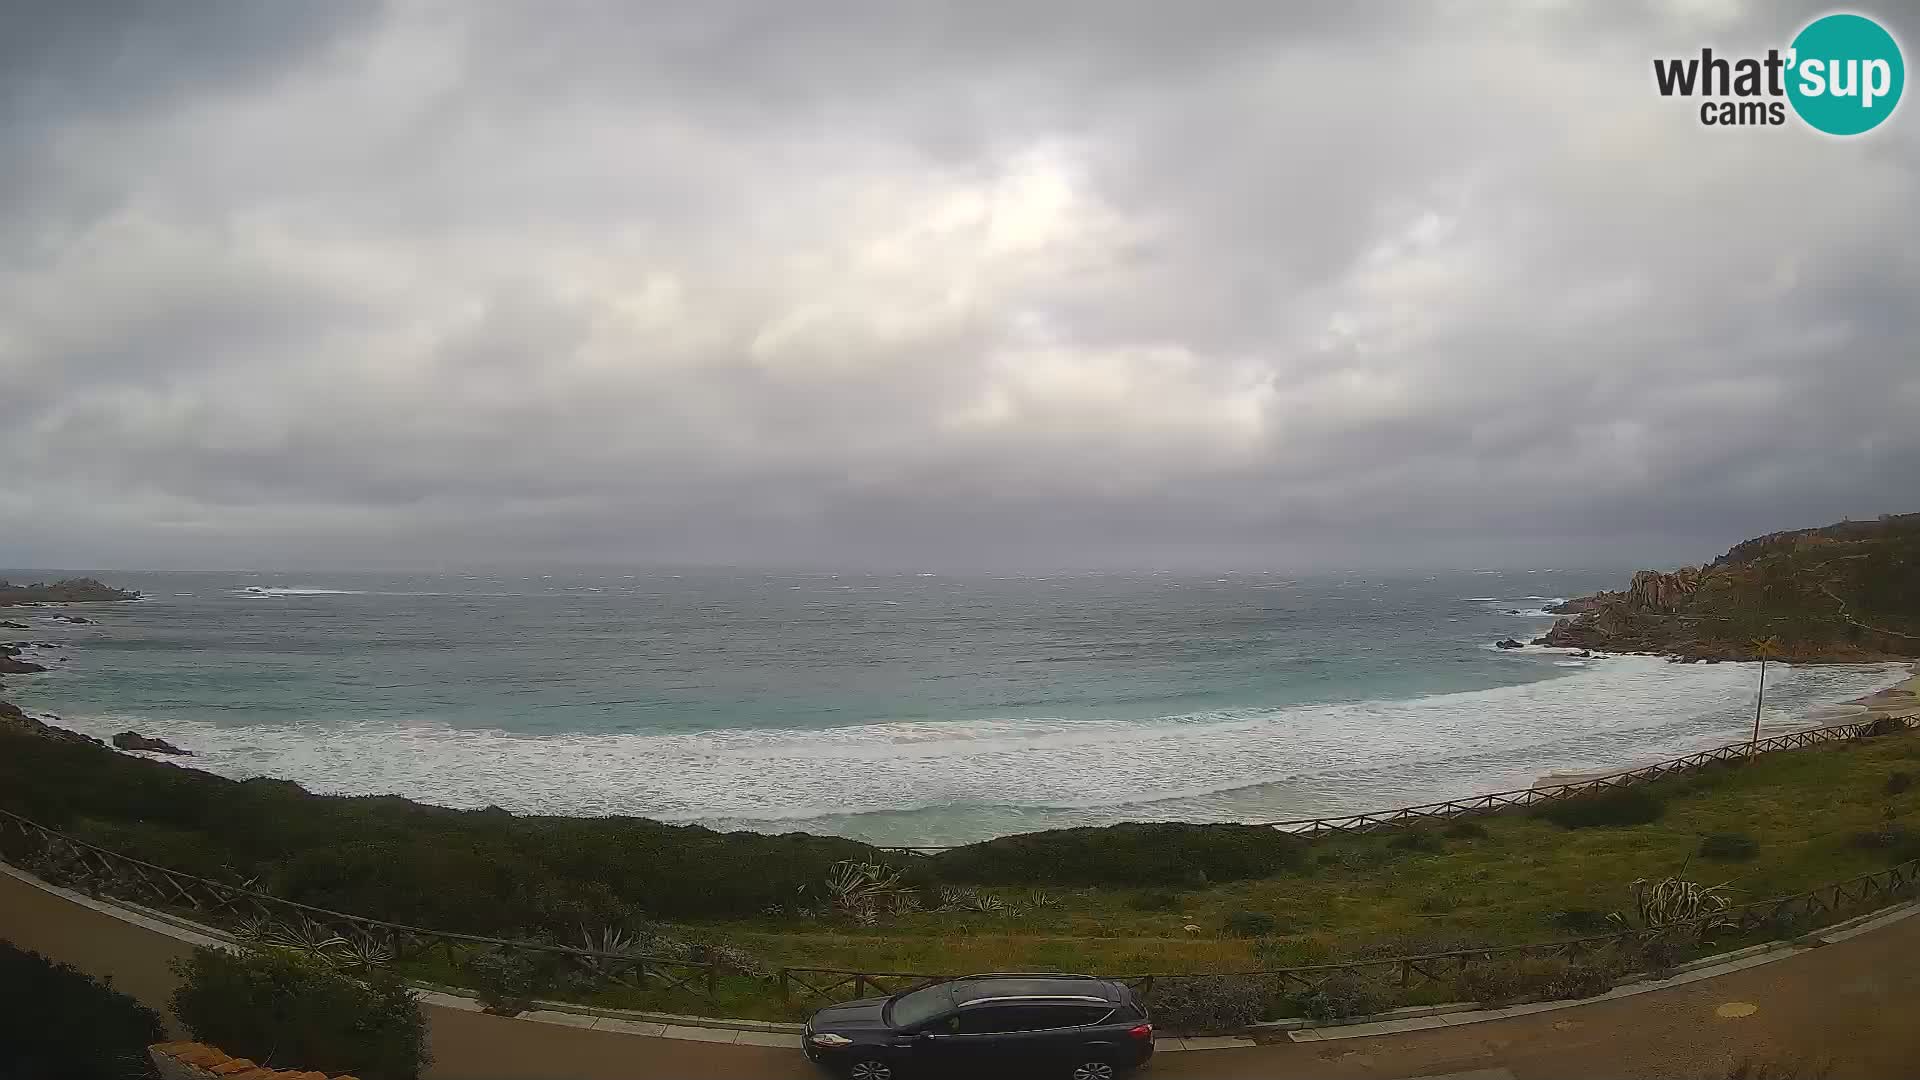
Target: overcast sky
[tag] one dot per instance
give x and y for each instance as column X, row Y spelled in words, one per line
column 897, row 284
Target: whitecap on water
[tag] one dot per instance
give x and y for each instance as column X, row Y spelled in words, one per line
column 1250, row 763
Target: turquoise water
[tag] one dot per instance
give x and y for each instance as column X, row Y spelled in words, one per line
column 900, row 708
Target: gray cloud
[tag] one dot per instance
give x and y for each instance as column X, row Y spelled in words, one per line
column 932, row 284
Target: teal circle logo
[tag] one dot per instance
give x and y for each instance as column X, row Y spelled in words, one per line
column 1845, row 74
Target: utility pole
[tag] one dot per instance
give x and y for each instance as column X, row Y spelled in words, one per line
column 1766, row 647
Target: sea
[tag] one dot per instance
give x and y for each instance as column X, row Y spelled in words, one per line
column 918, row 708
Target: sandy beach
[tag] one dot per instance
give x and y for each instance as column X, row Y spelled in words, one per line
column 1900, row 700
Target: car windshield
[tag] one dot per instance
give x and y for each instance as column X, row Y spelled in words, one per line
column 918, row 1006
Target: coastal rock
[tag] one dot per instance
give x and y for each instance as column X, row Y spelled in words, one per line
column 17, row 722
column 1507, row 643
column 133, row 740
column 9, row 624
column 11, row 666
column 74, row 619
column 1579, row 605
column 67, row 591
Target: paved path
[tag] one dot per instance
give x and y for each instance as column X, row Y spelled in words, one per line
column 1850, row 1003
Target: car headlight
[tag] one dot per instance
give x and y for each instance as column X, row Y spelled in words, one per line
column 829, row 1040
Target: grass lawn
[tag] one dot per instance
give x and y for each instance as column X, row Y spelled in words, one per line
column 1520, row 879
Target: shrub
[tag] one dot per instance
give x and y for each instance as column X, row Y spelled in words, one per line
column 1467, row 829
column 1618, row 806
column 1344, row 995
column 1729, row 845
column 1210, row 1006
column 1898, row 782
column 1415, row 945
column 1160, row 853
column 1291, row 952
column 1154, row 900
column 1492, row 984
column 1662, row 950
column 1749, row 1069
column 1437, row 903
column 477, row 871
column 56, row 1021
column 1580, row 921
column 1250, row 924
column 1422, row 840
column 1900, row 842
column 1580, row 981
column 286, row 1010
column 1498, row 983
column 508, row 981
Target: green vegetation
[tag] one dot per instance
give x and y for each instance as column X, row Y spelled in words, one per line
column 1250, row 924
column 58, row 1023
column 1728, row 845
column 65, row 591
column 1213, row 1006
column 1345, row 995
column 1154, row 854
column 1495, row 985
column 1129, row 900
column 1619, row 806
column 286, row 1010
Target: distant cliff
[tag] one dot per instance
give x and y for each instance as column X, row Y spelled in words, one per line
column 1849, row 591
column 67, row 591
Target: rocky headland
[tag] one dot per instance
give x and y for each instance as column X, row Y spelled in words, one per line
column 1843, row 593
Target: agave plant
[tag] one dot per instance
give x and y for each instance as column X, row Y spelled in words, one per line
column 903, row 902
column 1041, row 899
column 857, row 889
column 1674, row 901
column 306, row 935
column 254, row 928
column 609, row 939
column 359, row 954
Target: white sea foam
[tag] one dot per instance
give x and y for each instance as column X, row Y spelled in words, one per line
column 1314, row 759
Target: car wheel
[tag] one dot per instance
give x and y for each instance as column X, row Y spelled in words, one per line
column 1095, row 1070
column 870, row 1069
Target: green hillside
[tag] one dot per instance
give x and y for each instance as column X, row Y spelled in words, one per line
column 1849, row 591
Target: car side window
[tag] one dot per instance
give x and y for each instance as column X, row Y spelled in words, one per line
column 990, row 1020
column 1001, row 1019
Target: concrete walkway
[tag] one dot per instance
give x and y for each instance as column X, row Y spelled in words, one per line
column 1847, row 1003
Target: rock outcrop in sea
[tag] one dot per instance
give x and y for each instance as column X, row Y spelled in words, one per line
column 133, row 740
column 64, row 591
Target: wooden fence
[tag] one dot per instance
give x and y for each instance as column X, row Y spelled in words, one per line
column 1618, row 951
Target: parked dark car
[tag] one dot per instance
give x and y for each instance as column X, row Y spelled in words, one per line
column 1074, row 1027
